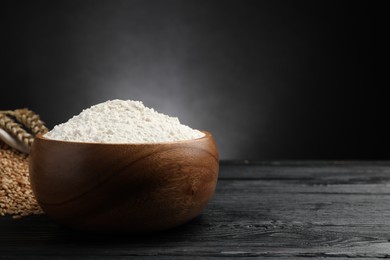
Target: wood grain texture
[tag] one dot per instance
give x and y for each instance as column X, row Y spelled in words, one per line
column 123, row 187
column 265, row 210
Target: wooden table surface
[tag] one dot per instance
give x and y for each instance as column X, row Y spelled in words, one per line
column 296, row 210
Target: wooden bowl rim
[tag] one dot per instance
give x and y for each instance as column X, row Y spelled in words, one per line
column 206, row 136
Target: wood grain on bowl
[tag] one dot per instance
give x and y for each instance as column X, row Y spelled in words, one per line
column 123, row 187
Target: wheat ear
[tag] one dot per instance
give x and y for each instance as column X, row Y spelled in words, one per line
column 15, row 130
column 31, row 120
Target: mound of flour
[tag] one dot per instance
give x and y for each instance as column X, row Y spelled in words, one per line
column 122, row 121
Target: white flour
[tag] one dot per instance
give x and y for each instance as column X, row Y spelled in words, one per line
column 122, row 121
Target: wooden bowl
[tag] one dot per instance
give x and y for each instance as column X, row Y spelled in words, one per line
column 123, row 187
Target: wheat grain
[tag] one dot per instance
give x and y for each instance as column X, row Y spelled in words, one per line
column 16, row 196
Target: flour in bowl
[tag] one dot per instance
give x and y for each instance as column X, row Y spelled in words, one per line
column 122, row 121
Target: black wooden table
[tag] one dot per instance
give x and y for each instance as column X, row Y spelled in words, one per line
column 294, row 210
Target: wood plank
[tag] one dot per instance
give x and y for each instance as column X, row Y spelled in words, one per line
column 310, row 172
column 285, row 211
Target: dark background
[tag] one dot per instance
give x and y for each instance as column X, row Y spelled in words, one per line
column 270, row 79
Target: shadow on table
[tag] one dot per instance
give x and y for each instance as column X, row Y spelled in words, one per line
column 41, row 228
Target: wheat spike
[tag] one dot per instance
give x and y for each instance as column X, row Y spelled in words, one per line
column 31, row 120
column 15, row 130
